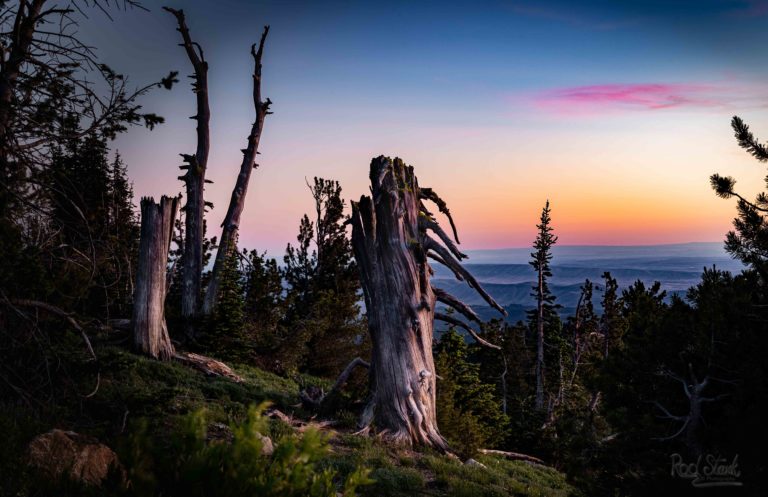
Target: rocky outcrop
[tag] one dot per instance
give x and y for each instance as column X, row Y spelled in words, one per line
column 62, row 454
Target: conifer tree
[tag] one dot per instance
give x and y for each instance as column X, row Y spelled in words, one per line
column 122, row 237
column 226, row 334
column 748, row 242
column 545, row 314
column 612, row 322
column 91, row 206
column 264, row 300
column 323, row 312
column 468, row 410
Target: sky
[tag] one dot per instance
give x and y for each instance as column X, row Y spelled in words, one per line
column 617, row 112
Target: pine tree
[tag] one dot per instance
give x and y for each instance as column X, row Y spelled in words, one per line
column 748, row 242
column 121, row 238
column 612, row 323
column 323, row 312
column 512, row 372
column 225, row 327
column 264, row 300
column 468, row 410
column 300, row 263
column 91, row 207
column 544, row 317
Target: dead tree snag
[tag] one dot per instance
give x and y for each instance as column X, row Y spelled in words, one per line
column 194, row 178
column 150, row 333
column 391, row 242
column 231, row 223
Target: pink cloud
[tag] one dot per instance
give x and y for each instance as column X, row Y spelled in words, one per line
column 616, row 97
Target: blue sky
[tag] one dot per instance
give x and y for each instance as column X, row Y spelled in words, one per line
column 615, row 111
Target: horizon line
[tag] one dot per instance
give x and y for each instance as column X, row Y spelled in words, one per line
column 527, row 247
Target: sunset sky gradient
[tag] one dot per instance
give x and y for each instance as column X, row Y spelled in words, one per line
column 617, row 114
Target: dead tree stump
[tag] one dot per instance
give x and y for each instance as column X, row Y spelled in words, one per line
column 150, row 333
column 391, row 246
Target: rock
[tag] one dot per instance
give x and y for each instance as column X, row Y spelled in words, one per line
column 219, row 432
column 473, row 462
column 267, row 447
column 58, row 454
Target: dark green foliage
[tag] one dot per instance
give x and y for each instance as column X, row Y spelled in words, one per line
column 193, row 465
column 394, row 481
column 511, row 370
column 748, row 242
column 225, row 333
column 264, row 300
column 468, row 410
column 612, row 322
column 540, row 261
column 322, row 302
column 406, row 473
column 544, row 320
column 747, row 140
column 92, row 217
column 498, row 478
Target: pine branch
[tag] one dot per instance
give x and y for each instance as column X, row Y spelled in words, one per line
column 747, row 140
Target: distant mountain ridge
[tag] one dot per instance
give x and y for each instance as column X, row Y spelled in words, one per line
column 687, row 253
column 507, row 276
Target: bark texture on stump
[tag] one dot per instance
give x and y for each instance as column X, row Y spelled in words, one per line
column 391, row 244
column 150, row 333
column 231, row 222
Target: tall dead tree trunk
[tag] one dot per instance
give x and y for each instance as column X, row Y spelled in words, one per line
column 150, row 333
column 194, row 178
column 231, row 223
column 391, row 246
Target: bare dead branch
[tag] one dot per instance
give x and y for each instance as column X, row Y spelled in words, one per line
column 58, row 312
column 207, row 365
column 514, row 456
column 315, row 401
column 429, row 194
column 448, row 299
column 442, row 252
column 457, row 322
column 426, row 223
column 439, row 259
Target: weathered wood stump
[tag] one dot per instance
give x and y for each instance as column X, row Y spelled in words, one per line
column 391, row 246
column 150, row 333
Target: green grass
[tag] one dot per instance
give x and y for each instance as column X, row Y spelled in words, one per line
column 404, row 473
column 500, row 477
column 133, row 389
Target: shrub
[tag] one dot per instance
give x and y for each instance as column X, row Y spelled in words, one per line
column 195, row 466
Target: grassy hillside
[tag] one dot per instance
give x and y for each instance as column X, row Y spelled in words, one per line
column 135, row 392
